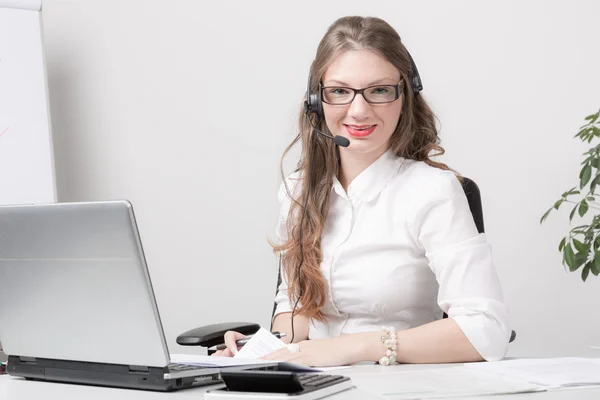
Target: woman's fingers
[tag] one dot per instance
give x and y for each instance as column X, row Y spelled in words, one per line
column 227, row 353
column 230, row 341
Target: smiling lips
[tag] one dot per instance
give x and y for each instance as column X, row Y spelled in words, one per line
column 360, row 131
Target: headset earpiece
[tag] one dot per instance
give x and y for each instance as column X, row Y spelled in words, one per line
column 313, row 102
column 415, row 79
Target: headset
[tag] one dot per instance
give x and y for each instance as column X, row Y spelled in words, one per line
column 313, row 104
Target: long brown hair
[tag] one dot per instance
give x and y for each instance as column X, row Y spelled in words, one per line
column 415, row 137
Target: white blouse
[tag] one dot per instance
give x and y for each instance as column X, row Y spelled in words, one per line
column 398, row 249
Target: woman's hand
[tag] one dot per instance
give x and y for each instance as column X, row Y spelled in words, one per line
column 321, row 352
column 232, row 348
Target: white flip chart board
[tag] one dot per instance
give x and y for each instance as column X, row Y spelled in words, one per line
column 26, row 159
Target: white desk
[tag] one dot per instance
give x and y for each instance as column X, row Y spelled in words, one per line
column 19, row 389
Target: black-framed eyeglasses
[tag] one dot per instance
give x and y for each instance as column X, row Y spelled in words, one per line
column 378, row 94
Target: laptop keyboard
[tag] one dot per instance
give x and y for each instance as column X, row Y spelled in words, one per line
column 182, row 367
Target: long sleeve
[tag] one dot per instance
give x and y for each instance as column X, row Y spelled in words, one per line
column 461, row 259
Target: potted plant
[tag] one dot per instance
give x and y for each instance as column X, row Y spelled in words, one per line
column 581, row 246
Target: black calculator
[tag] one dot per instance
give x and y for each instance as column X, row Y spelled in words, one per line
column 278, row 384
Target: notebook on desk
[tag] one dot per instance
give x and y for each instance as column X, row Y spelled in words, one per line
column 78, row 304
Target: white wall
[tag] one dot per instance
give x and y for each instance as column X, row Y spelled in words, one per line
column 184, row 107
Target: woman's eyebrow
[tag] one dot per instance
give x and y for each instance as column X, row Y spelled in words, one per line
column 375, row 82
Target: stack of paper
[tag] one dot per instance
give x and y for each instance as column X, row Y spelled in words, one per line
column 213, row 361
column 218, row 362
column 439, row 383
column 549, row 372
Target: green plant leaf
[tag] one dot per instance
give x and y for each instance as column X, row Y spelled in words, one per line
column 596, row 266
column 585, row 175
column 580, row 247
column 580, row 259
column 594, row 183
column 581, row 226
column 572, row 212
column 571, row 191
column 562, row 244
column 583, row 208
column 585, row 133
column 569, row 256
column 558, row 203
column 545, row 215
column 595, row 162
column 585, row 272
column 592, row 118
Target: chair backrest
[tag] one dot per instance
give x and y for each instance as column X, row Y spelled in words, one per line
column 474, row 199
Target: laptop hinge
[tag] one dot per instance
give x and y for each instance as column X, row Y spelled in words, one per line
column 138, row 368
column 25, row 359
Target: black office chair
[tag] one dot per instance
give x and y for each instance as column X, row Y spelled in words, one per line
column 211, row 335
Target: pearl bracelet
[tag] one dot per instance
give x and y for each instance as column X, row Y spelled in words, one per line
column 390, row 340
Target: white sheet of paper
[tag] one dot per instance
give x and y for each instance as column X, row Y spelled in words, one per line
column 214, row 361
column 552, row 372
column 262, row 343
column 441, row 383
column 217, row 361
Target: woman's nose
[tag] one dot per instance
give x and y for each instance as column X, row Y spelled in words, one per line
column 359, row 108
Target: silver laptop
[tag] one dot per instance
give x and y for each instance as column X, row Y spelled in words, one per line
column 77, row 300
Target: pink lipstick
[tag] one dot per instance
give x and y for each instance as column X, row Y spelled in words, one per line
column 360, row 131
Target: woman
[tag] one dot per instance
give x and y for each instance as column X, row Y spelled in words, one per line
column 387, row 242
